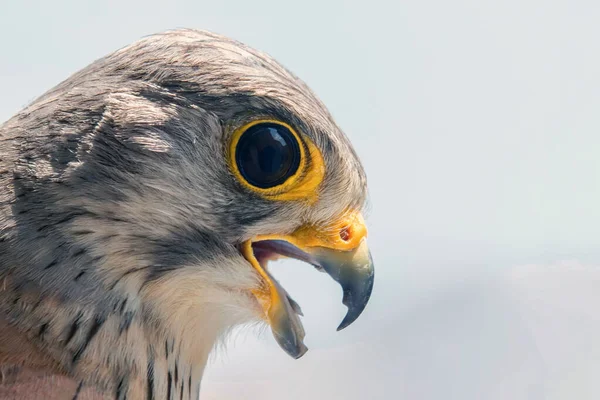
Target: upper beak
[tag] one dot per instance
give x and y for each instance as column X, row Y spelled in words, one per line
column 339, row 249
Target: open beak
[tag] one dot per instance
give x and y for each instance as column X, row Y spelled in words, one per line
column 340, row 250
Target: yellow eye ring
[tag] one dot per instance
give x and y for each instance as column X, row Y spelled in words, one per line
column 270, row 158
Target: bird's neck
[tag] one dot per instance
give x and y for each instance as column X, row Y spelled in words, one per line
column 150, row 351
column 27, row 373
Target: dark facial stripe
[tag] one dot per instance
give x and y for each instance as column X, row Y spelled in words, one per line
column 178, row 249
column 91, row 333
column 150, row 385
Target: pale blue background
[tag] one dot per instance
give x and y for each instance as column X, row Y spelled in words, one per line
column 478, row 125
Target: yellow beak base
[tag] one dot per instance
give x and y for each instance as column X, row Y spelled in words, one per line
column 339, row 250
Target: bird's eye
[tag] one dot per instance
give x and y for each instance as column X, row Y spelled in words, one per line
column 267, row 154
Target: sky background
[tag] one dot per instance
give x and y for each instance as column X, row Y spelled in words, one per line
column 478, row 125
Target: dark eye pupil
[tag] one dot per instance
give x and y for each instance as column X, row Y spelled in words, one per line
column 267, row 155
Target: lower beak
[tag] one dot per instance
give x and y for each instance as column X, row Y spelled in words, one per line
column 340, row 250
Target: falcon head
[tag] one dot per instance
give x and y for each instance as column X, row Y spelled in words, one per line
column 144, row 197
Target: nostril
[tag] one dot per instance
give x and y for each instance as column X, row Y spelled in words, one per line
column 345, row 234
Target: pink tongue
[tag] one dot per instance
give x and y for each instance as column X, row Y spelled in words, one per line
column 262, row 254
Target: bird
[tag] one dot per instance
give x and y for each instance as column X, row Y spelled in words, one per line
column 141, row 201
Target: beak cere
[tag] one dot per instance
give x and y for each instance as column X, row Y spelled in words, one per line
column 340, row 250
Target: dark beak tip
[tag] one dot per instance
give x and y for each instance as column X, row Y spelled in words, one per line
column 351, row 316
column 356, row 301
column 301, row 353
column 343, row 325
column 296, row 352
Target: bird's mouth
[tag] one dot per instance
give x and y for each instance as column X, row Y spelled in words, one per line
column 340, row 250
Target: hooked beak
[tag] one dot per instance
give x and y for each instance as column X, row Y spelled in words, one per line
column 340, row 250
